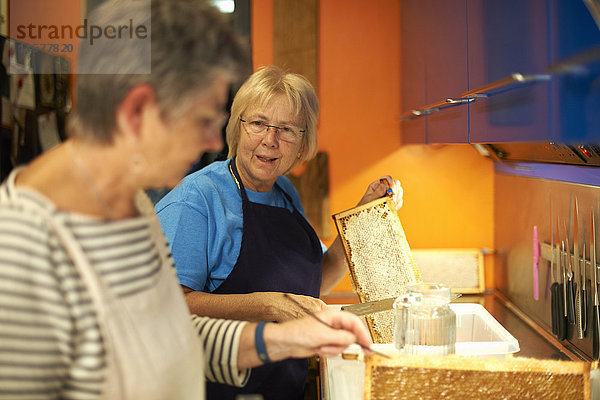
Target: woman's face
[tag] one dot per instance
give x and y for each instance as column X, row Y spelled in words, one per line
column 178, row 142
column 262, row 158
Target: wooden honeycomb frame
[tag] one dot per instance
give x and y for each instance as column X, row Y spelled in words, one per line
column 462, row 378
column 378, row 257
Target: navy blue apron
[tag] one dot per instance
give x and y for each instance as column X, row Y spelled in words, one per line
column 280, row 252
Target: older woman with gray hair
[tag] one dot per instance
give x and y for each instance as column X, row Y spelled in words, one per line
column 90, row 307
column 258, row 246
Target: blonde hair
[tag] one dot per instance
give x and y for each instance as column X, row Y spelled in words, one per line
column 260, row 89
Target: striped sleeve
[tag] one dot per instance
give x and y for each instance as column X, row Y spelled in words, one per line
column 35, row 323
column 221, row 339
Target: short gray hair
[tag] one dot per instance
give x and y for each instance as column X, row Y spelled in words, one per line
column 191, row 42
column 260, row 89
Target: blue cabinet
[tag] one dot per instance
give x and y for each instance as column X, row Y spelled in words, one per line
column 434, row 64
column 508, row 39
column 575, row 61
column 446, row 67
column 413, row 81
column 530, row 70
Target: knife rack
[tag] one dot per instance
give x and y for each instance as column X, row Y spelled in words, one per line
column 546, row 254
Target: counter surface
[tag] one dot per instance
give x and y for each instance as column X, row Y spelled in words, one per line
column 532, row 342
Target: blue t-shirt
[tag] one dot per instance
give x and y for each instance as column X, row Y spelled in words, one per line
column 202, row 219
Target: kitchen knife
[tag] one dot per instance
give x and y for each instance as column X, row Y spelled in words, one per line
column 370, row 307
column 564, row 280
column 561, row 311
column 578, row 280
column 596, row 307
column 569, row 265
column 551, row 275
column 584, row 299
column 570, row 287
column 554, row 285
column 536, row 264
column 554, row 307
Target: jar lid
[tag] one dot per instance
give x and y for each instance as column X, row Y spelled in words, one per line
column 431, row 290
column 428, row 292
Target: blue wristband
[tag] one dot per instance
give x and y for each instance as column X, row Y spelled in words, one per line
column 259, row 342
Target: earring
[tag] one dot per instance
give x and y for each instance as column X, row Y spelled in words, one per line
column 299, row 154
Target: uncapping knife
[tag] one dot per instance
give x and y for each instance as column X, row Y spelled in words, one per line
column 370, row 307
column 596, row 312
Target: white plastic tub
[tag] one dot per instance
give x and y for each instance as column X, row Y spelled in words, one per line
column 479, row 334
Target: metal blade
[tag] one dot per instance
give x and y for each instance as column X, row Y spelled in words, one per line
column 584, row 300
column 559, row 254
column 578, row 280
column 569, row 235
column 564, row 279
column 593, row 259
column 596, row 308
column 552, row 262
column 576, row 262
column 568, row 264
column 370, row 307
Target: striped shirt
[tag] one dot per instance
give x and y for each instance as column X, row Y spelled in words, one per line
column 50, row 342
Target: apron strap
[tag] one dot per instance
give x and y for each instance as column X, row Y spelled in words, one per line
column 238, row 181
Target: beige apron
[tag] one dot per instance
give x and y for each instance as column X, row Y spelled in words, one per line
column 152, row 349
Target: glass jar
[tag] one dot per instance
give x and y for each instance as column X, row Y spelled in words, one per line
column 424, row 323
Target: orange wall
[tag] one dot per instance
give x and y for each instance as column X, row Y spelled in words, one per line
column 448, row 189
column 261, row 27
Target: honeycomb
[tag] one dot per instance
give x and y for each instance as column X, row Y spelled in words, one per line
column 378, row 257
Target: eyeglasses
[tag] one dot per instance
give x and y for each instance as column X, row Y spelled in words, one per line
column 286, row 133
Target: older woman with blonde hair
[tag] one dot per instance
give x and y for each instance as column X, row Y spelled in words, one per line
column 259, row 244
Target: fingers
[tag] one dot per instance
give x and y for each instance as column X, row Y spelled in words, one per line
column 375, row 190
column 333, row 332
column 395, row 189
column 311, row 304
column 382, row 186
column 294, row 306
column 388, row 179
column 398, row 194
column 349, row 322
column 347, row 329
column 385, row 185
column 330, row 351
